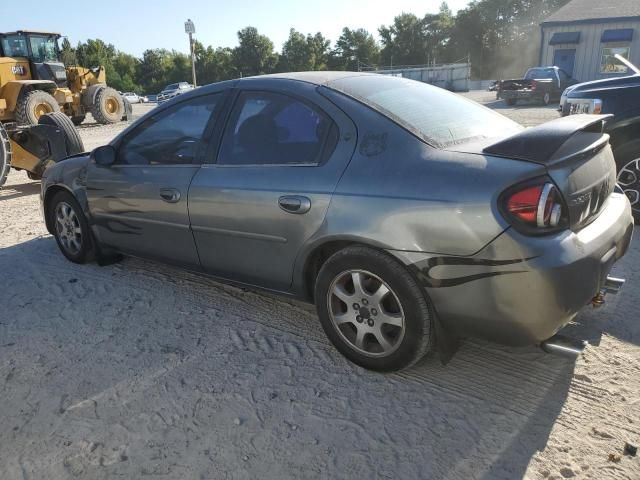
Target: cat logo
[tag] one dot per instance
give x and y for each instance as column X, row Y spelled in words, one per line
column 18, row 70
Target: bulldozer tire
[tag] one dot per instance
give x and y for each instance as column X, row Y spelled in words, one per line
column 108, row 106
column 5, row 155
column 72, row 139
column 77, row 120
column 34, row 104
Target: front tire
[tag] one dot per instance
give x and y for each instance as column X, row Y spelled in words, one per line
column 34, row 104
column 510, row 101
column 373, row 310
column 71, row 228
column 628, row 162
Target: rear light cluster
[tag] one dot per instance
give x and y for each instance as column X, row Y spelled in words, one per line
column 537, row 207
column 534, row 85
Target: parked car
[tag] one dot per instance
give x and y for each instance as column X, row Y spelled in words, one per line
column 173, row 90
column 411, row 216
column 541, row 84
column 619, row 97
column 132, row 97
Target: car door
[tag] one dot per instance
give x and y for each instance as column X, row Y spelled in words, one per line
column 280, row 159
column 139, row 204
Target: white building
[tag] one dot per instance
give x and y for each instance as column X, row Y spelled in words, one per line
column 583, row 36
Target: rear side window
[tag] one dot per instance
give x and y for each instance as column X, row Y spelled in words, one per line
column 269, row 128
column 437, row 116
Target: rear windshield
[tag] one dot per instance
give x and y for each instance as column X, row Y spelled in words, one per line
column 439, row 117
column 540, row 74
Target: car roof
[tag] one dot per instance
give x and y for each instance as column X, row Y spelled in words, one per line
column 314, row 77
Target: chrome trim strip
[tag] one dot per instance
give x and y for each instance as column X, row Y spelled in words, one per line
column 542, row 202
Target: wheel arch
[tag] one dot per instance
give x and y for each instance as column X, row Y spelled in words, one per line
column 79, row 195
column 313, row 257
column 624, row 134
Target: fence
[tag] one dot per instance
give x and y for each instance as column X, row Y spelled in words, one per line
column 452, row 76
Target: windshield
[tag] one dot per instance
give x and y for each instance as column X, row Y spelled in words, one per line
column 43, row 48
column 540, row 73
column 15, row 46
column 440, row 117
column 173, row 86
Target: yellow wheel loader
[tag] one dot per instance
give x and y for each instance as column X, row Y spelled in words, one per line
column 34, row 82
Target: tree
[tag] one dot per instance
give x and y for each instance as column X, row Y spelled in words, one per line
column 150, row 71
column 354, row 49
column 300, row 53
column 254, row 55
column 404, row 41
column 68, row 53
column 213, row 65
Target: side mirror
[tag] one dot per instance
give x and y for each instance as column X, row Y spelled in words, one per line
column 104, row 155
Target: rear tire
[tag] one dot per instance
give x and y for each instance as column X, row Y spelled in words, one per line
column 628, row 162
column 5, row 155
column 73, row 142
column 108, row 106
column 34, row 104
column 386, row 323
column 71, row 228
column 510, row 101
column 546, row 99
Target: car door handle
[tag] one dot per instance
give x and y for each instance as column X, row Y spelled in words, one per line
column 170, row 195
column 294, row 204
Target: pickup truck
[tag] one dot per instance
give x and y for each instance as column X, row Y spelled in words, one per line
column 620, row 97
column 542, row 84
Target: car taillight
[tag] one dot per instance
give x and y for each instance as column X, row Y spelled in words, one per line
column 534, row 85
column 537, row 206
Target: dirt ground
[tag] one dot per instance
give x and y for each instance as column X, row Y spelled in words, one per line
column 138, row 370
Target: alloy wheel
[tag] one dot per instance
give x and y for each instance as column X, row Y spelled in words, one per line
column 366, row 313
column 629, row 181
column 68, row 228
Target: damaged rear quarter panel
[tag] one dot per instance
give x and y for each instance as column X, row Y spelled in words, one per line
column 402, row 194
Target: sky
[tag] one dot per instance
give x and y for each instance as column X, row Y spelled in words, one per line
column 134, row 26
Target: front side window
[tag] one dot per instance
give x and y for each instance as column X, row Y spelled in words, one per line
column 609, row 63
column 43, row 49
column 15, row 46
column 173, row 137
column 273, row 129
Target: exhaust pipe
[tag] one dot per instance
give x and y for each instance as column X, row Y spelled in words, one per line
column 613, row 285
column 564, row 346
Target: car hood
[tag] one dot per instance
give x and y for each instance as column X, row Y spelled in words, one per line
column 604, row 84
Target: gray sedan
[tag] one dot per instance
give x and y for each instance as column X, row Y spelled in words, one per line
column 409, row 215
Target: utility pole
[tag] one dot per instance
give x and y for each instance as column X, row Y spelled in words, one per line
column 190, row 28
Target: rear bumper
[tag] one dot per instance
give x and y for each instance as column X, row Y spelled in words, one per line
column 521, row 290
column 518, row 94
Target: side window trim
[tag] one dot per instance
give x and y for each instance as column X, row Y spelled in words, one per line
column 200, row 158
column 233, row 102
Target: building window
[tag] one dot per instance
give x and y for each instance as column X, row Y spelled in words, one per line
column 609, row 63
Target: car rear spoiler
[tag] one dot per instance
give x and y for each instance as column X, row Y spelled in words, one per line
column 538, row 144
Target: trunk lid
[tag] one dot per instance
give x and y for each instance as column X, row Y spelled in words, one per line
column 577, row 157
